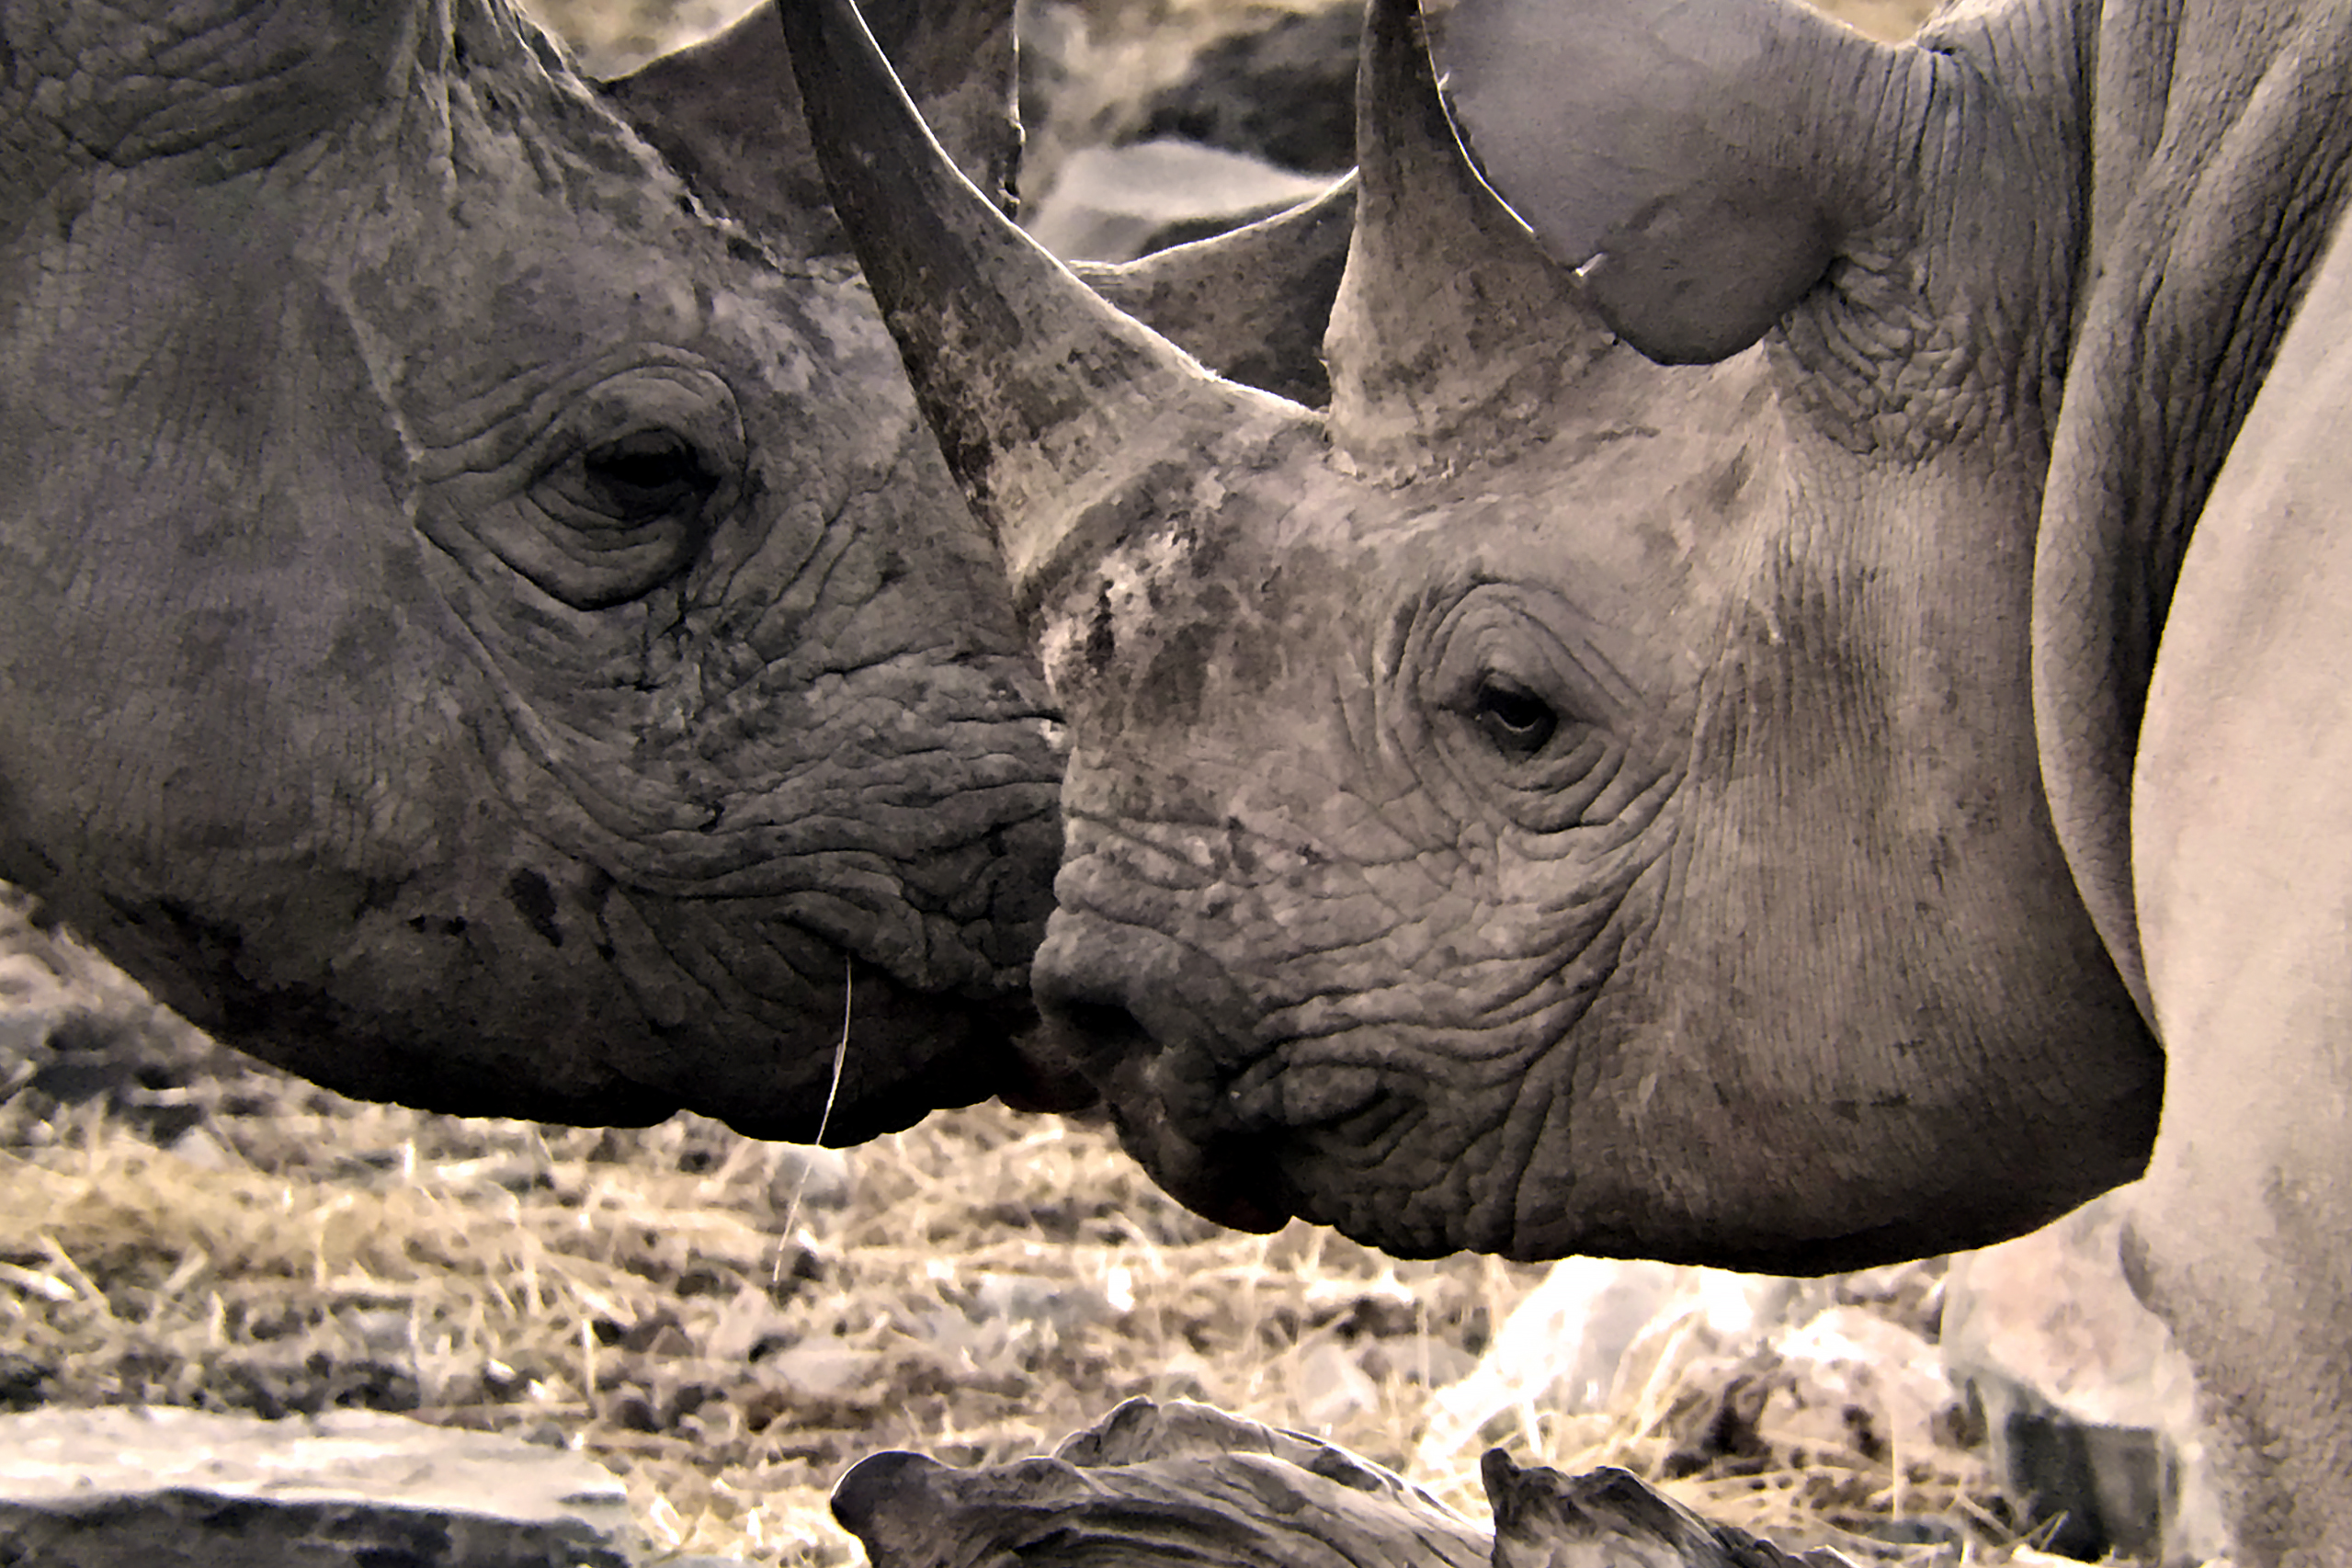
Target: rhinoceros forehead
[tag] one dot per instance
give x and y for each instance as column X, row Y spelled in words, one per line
column 789, row 337
column 1314, row 582
column 527, row 215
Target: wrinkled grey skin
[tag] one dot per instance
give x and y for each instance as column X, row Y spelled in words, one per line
column 483, row 628
column 1564, row 802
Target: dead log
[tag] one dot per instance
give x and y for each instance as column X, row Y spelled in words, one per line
column 1187, row 1486
column 1609, row 1518
column 1153, row 1483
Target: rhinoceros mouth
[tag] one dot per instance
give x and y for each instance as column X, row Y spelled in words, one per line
column 1229, row 1181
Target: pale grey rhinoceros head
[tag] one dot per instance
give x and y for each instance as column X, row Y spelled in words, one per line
column 1558, row 802
column 480, row 626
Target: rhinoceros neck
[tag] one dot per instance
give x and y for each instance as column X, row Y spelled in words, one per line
column 2214, row 198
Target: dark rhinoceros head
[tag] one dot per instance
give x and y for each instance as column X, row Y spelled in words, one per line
column 485, row 624
column 1532, row 807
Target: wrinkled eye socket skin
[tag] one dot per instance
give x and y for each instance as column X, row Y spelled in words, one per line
column 631, row 480
column 1522, row 698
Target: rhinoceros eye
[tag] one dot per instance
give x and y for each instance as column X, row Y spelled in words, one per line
column 645, row 476
column 1516, row 720
column 633, row 474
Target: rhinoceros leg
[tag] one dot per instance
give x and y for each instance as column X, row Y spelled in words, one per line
column 2243, row 863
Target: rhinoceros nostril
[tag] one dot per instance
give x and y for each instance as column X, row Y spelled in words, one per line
column 1101, row 1027
column 1095, row 1037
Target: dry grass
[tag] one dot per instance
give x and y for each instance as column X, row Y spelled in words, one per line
column 729, row 1324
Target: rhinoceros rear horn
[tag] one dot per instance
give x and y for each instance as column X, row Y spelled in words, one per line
column 1251, row 303
column 1049, row 404
column 1453, row 331
column 713, row 110
column 1702, row 163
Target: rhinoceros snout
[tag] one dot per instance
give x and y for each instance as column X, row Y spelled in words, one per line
column 1087, row 1028
column 1159, row 1033
column 1117, row 998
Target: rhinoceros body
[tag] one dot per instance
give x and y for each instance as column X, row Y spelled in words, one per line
column 1615, row 785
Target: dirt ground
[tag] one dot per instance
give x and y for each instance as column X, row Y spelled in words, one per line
column 729, row 1324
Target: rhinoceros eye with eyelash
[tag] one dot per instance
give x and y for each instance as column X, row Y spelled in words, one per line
column 1517, row 722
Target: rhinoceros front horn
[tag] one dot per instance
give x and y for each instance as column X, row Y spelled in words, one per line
column 1050, row 406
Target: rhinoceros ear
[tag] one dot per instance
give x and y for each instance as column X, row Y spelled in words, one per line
column 1251, row 304
column 1702, row 163
column 726, row 114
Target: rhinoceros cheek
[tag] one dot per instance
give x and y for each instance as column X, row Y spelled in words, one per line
column 906, row 1054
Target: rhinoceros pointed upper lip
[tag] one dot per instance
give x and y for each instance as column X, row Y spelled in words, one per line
column 1045, row 1078
column 1233, row 1184
column 1233, row 1204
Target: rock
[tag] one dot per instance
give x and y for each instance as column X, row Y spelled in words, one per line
column 1608, row 1518
column 2089, row 1407
column 1332, row 1386
column 806, row 1177
column 1850, row 1377
column 162, row 1488
column 1272, row 85
column 750, row 1328
column 1057, row 1306
column 1117, row 203
column 1570, row 1343
column 1284, row 91
column 824, row 1371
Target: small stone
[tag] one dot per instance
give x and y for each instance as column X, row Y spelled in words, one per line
column 807, row 1177
column 163, row 1488
column 2089, row 1407
column 1114, row 204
